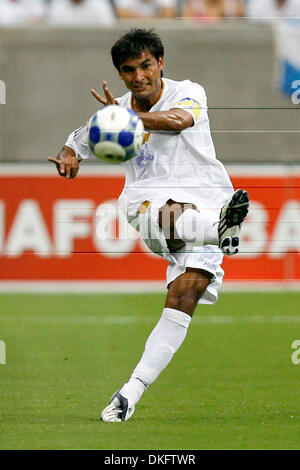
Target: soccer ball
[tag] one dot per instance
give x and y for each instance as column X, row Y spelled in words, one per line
column 115, row 134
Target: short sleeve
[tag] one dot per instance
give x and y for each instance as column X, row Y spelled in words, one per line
column 192, row 99
column 78, row 141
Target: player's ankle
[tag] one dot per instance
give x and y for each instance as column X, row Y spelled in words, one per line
column 133, row 390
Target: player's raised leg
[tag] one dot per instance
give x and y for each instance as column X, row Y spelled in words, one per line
column 232, row 215
column 204, row 227
column 183, row 223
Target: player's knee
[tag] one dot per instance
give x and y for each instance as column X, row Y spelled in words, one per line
column 186, row 297
column 186, row 291
column 185, row 302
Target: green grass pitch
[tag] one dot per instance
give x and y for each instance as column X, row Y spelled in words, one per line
column 232, row 384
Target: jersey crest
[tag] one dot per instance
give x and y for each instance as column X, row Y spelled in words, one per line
column 191, row 104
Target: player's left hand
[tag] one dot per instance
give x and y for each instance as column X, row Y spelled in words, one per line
column 67, row 165
column 109, row 97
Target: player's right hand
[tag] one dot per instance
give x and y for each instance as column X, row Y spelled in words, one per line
column 109, row 97
column 67, row 164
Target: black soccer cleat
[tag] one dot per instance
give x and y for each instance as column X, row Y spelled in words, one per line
column 118, row 409
column 232, row 215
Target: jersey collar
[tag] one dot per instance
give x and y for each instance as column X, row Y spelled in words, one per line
column 163, row 85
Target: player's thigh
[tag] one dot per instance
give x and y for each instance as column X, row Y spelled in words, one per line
column 186, row 290
column 168, row 214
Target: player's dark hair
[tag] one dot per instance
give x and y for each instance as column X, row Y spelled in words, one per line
column 132, row 44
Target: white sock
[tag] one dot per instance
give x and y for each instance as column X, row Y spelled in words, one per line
column 199, row 228
column 163, row 342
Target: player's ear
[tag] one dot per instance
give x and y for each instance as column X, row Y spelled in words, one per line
column 161, row 63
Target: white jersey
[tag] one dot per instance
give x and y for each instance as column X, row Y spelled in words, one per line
column 179, row 166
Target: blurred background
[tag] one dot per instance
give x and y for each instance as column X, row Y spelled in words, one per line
column 52, row 52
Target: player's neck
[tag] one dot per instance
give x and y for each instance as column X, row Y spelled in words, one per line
column 144, row 105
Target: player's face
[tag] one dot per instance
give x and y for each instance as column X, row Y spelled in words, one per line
column 142, row 75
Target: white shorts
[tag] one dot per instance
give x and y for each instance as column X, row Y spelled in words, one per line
column 208, row 257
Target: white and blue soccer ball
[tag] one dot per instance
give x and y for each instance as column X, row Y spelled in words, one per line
column 115, row 134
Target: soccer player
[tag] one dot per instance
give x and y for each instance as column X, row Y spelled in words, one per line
column 176, row 193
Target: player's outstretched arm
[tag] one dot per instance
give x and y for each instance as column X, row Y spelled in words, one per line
column 173, row 120
column 109, row 97
column 66, row 162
